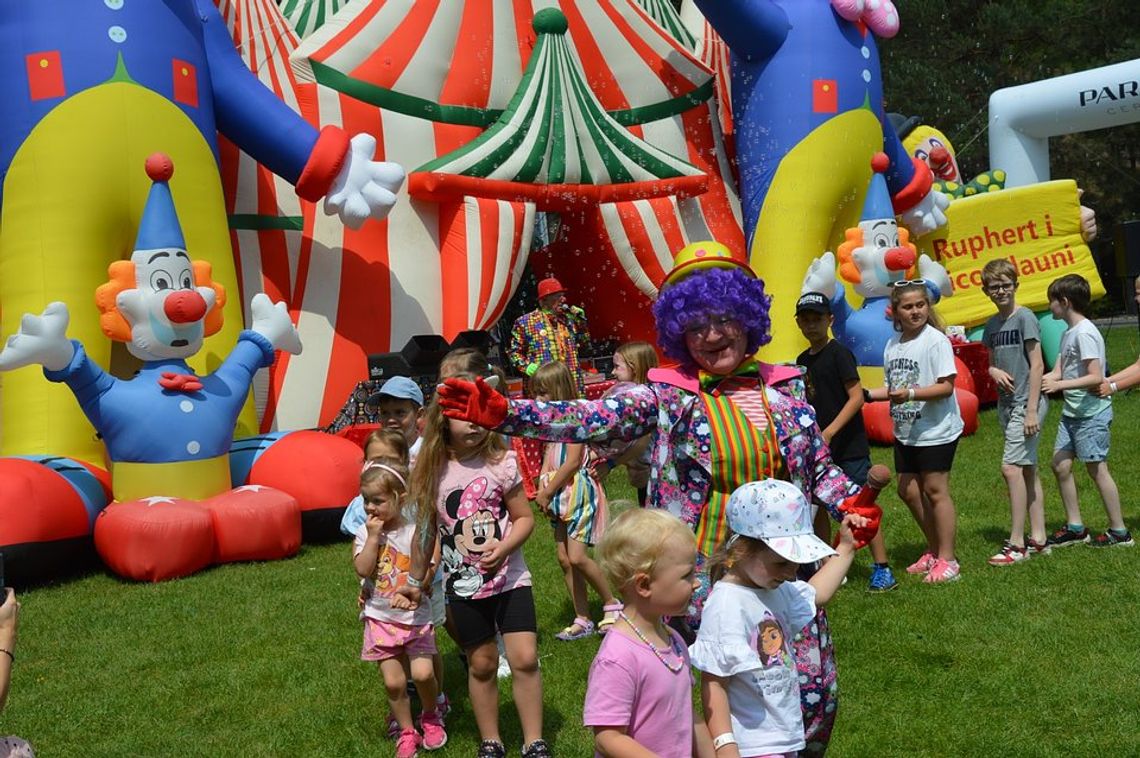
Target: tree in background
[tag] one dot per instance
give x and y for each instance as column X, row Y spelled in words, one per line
column 952, row 54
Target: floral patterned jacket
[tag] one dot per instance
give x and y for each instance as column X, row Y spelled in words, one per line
column 681, row 463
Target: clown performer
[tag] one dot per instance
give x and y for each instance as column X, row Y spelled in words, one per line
column 876, row 254
column 90, row 90
column 718, row 421
column 554, row 331
column 167, row 430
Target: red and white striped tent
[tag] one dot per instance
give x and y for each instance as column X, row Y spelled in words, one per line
column 427, row 78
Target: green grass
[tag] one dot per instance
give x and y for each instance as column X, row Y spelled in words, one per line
column 262, row 659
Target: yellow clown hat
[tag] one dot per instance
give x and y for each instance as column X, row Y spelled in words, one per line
column 700, row 256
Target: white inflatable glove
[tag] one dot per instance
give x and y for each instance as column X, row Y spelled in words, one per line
column 936, row 276
column 928, row 215
column 820, row 276
column 272, row 322
column 40, row 340
column 364, row 188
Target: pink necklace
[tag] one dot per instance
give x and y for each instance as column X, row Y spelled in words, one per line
column 674, row 667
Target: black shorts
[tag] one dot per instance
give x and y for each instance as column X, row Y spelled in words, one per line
column 477, row 621
column 856, row 469
column 910, row 459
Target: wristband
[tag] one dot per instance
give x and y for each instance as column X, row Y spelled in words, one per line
column 1112, row 386
column 723, row 739
column 867, row 396
column 414, row 583
column 9, row 653
column 910, row 394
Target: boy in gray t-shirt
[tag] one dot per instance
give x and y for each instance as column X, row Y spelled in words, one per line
column 1013, row 337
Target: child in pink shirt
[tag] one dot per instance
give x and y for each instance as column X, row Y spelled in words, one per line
column 640, row 692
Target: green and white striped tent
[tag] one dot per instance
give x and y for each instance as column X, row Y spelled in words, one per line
column 555, row 145
column 306, row 16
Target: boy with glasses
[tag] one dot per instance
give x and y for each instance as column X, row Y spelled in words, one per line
column 1013, row 337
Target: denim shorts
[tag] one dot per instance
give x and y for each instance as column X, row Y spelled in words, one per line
column 1087, row 438
column 1019, row 450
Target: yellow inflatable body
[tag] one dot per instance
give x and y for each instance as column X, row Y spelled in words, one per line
column 812, row 201
column 72, row 201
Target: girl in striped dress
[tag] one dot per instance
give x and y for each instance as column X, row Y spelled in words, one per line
column 576, row 503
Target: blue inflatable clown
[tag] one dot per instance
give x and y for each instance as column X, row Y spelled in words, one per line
column 167, row 430
column 807, row 108
column 90, row 89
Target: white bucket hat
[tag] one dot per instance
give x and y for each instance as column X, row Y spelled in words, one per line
column 776, row 512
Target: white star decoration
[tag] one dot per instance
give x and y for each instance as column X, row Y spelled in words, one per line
column 250, row 488
column 157, row 500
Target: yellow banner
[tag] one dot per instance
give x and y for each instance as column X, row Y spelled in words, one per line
column 1037, row 227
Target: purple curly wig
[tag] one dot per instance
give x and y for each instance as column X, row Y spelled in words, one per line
column 715, row 292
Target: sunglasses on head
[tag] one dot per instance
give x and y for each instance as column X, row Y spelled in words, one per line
column 909, row 283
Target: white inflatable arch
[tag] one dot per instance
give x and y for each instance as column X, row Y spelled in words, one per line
column 1023, row 118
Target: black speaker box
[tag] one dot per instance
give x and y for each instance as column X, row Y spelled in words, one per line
column 424, row 352
column 1128, row 249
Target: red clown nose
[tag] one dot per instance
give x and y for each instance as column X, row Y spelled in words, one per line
column 184, row 307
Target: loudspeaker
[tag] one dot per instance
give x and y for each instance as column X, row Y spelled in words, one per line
column 1128, row 249
column 475, row 338
column 424, row 352
column 384, row 366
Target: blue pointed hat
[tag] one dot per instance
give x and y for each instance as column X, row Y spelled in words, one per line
column 159, row 227
column 878, row 202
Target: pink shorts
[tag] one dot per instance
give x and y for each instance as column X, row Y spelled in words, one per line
column 388, row 639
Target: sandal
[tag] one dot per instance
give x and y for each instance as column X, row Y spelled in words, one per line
column 610, row 618
column 580, row 629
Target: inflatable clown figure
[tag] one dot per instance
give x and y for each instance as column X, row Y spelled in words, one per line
column 807, row 106
column 934, row 148
column 167, row 430
column 90, row 89
column 876, row 254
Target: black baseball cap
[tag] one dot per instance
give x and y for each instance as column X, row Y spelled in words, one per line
column 813, row 301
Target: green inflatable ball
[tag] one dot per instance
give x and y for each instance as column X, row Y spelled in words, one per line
column 1051, row 331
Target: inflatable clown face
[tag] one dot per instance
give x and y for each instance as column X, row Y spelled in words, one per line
column 882, row 258
column 166, row 312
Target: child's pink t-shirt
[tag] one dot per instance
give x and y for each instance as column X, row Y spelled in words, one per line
column 629, row 686
column 472, row 516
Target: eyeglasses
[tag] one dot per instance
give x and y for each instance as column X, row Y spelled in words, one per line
column 723, row 324
column 909, row 283
column 1001, row 287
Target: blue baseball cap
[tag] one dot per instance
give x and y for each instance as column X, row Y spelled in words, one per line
column 399, row 387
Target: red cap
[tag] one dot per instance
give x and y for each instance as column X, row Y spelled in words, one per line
column 549, row 286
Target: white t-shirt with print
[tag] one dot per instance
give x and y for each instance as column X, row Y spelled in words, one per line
column 472, row 515
column 920, row 362
column 746, row 636
column 393, row 562
column 1082, row 342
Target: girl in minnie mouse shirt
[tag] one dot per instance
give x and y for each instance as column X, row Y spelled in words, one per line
column 468, row 488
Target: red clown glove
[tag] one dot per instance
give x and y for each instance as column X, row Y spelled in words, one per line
column 475, row 401
column 863, row 504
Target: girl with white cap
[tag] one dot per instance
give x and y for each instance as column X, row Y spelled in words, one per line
column 749, row 684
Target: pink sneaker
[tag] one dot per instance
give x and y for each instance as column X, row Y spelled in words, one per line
column 408, row 743
column 434, row 735
column 922, row 565
column 943, row 571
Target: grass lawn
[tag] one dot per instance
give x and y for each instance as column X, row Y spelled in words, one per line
column 262, row 659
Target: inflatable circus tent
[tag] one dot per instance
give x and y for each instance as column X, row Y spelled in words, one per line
column 428, row 81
